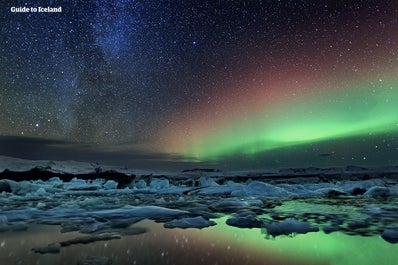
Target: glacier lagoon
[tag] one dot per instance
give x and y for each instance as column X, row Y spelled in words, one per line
column 220, row 244
column 68, row 213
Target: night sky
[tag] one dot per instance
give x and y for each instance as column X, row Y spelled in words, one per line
column 180, row 84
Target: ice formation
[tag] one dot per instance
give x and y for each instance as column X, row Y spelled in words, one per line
column 79, row 197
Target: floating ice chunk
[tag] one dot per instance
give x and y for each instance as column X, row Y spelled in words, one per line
column 56, row 247
column 142, row 211
column 258, row 188
column 41, row 192
column 94, row 201
column 190, row 222
column 159, row 184
column 5, row 186
column 317, row 186
column 141, row 184
column 226, row 204
column 245, row 222
column 65, row 210
column 91, row 228
column 81, row 184
column 23, row 187
column 98, row 182
column 90, row 239
column 55, row 180
column 23, row 214
column 234, row 204
column 360, row 186
column 377, row 192
column 394, row 191
column 254, row 202
column 289, row 226
column 110, row 185
column 330, row 229
column 76, row 184
column 331, row 192
column 391, row 236
column 226, row 189
column 207, row 181
column 358, row 224
column 51, row 248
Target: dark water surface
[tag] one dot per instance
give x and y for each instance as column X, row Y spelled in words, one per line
column 221, row 244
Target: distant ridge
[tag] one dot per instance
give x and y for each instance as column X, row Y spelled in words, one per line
column 21, row 169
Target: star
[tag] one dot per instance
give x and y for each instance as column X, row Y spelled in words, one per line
column 230, row 83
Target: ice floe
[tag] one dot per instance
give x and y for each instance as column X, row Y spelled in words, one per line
column 288, row 227
column 56, row 247
column 390, row 236
column 189, row 222
column 80, row 197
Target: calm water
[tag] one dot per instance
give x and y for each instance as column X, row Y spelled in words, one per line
column 221, row 244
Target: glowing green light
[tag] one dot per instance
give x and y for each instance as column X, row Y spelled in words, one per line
column 359, row 110
column 316, row 248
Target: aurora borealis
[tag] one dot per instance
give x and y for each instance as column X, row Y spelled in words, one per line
column 178, row 84
column 360, row 110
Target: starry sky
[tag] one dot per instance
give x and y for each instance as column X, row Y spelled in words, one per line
column 180, row 84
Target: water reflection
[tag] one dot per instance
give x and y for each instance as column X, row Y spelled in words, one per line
column 221, row 244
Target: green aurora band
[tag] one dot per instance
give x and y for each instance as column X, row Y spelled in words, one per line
column 358, row 110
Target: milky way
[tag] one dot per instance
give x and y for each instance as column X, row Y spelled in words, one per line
column 244, row 84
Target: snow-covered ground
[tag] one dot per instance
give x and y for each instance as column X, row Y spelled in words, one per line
column 352, row 200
